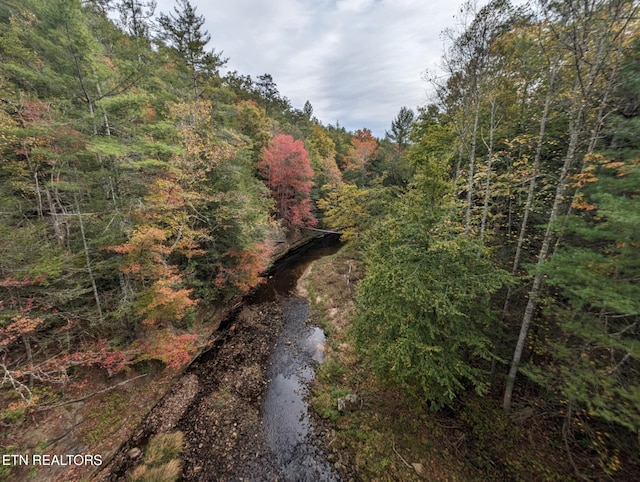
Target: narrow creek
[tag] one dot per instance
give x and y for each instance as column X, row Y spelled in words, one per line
column 241, row 405
column 284, row 413
column 297, row 351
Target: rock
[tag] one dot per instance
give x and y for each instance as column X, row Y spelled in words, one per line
column 134, row 452
column 348, row 403
column 420, row 470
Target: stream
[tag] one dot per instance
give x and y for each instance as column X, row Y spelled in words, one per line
column 299, row 348
column 241, row 404
column 284, row 413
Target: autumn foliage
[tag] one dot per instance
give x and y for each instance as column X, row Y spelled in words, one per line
column 364, row 150
column 286, row 168
column 173, row 349
column 246, row 268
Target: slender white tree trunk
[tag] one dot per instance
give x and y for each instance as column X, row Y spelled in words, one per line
column 532, row 185
column 472, row 163
column 88, row 261
column 487, row 189
column 604, row 42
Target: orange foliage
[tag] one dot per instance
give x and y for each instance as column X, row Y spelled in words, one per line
column 14, row 283
column 169, row 222
column 247, row 269
column 580, row 179
column 365, row 147
column 580, row 203
column 145, row 259
column 144, row 253
column 174, row 350
column 167, row 301
column 150, row 112
column 20, row 325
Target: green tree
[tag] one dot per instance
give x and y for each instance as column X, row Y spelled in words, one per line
column 267, row 92
column 322, row 152
column 182, row 29
column 401, row 127
column 308, row 110
column 598, row 28
column 593, row 359
column 589, row 358
column 346, row 208
column 135, row 16
column 425, row 300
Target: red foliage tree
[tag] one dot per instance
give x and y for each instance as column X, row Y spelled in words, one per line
column 286, row 168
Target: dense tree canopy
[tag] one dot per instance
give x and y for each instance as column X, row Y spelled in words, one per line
column 497, row 226
column 533, row 128
column 129, row 197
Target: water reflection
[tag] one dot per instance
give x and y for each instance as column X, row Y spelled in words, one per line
column 285, row 414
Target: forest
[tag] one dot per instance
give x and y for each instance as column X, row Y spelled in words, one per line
column 497, row 227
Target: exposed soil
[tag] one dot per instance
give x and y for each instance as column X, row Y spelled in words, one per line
column 217, row 406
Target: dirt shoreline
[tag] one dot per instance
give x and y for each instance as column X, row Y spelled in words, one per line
column 216, row 404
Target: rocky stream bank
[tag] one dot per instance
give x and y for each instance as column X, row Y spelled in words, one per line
column 241, row 405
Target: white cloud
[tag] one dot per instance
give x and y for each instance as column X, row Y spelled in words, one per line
column 356, row 61
column 353, row 5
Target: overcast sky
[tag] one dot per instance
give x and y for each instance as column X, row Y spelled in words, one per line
column 356, row 61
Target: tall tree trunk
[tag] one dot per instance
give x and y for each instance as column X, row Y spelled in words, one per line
column 34, row 171
column 575, row 125
column 458, row 164
column 105, row 118
column 472, row 163
column 534, row 173
column 88, row 261
column 487, row 189
column 595, row 135
column 606, row 40
column 28, row 351
column 532, row 184
column 53, row 212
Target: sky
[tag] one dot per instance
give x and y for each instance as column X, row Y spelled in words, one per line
column 356, row 61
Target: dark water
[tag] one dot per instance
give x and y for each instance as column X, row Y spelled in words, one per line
column 298, row 350
column 283, row 277
column 285, row 414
